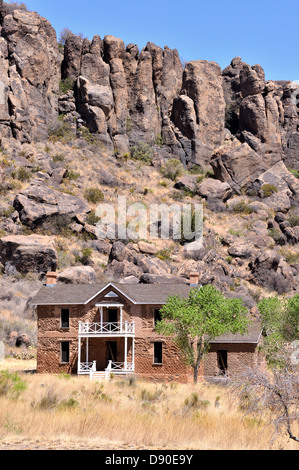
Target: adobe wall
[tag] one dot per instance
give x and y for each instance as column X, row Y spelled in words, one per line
column 240, row 357
column 50, row 335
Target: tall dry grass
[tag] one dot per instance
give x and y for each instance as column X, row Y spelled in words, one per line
column 130, row 413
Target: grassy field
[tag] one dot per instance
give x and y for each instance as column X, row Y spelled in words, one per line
column 63, row 412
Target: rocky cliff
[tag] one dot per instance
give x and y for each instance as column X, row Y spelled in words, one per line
column 127, row 96
column 72, row 121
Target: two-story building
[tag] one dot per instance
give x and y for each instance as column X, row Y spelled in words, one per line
column 110, row 328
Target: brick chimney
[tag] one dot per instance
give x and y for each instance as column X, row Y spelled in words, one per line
column 194, row 279
column 51, row 278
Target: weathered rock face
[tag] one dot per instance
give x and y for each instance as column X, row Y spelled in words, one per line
column 128, row 96
column 39, row 204
column 30, row 74
column 27, row 254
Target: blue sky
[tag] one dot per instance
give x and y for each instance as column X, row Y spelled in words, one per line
column 261, row 32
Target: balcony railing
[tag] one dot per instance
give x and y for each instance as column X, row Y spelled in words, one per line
column 107, row 329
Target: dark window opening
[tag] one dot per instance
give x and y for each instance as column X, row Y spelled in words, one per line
column 65, row 352
column 222, row 361
column 158, row 353
column 112, row 318
column 157, row 316
column 65, row 318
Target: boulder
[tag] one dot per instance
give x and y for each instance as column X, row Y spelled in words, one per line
column 38, row 203
column 147, row 248
column 77, row 275
column 270, row 271
column 237, row 164
column 27, row 254
column 242, row 249
column 162, row 279
column 214, row 189
column 23, row 340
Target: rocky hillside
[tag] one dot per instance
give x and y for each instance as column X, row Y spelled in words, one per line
column 88, row 121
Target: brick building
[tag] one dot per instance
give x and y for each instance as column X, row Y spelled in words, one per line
column 97, row 329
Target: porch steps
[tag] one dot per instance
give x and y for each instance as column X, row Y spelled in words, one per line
column 102, row 375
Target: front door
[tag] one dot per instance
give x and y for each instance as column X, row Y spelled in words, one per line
column 111, row 351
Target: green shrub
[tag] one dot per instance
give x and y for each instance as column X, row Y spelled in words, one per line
column 61, row 131
column 159, row 140
column 85, row 257
column 66, row 85
column 294, row 220
column 277, row 236
column 268, row 189
column 71, row 175
column 22, row 174
column 294, row 172
column 242, row 208
column 172, row 169
column 92, row 218
column 142, row 152
column 11, row 384
column 94, row 195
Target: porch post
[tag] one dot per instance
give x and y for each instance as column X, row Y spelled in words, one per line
column 101, row 309
column 126, row 347
column 121, row 319
column 79, row 354
column 87, row 344
column 133, row 353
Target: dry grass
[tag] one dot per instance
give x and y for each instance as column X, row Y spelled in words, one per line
column 72, row 412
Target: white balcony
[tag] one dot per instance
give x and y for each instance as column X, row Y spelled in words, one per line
column 125, row 329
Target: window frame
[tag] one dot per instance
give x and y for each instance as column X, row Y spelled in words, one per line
column 161, row 343
column 61, row 352
column 61, row 318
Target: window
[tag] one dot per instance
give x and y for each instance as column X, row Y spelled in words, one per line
column 65, row 318
column 158, row 353
column 65, row 352
column 157, row 316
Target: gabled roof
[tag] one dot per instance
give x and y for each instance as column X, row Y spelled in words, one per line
column 144, row 294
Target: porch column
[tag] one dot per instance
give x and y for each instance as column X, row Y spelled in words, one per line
column 87, row 344
column 126, row 347
column 101, row 310
column 79, row 354
column 133, row 353
column 121, row 319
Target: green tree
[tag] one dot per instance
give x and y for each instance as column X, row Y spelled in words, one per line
column 194, row 322
column 280, row 321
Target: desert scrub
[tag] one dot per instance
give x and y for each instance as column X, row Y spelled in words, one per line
column 142, row 152
column 72, row 176
column 66, row 85
column 94, row 195
column 172, row 169
column 295, row 172
column 61, row 131
column 11, row 384
column 294, row 220
column 236, row 233
column 242, row 207
column 193, row 403
column 22, row 174
column 277, row 236
column 84, row 257
column 159, row 141
column 268, row 190
column 290, row 256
